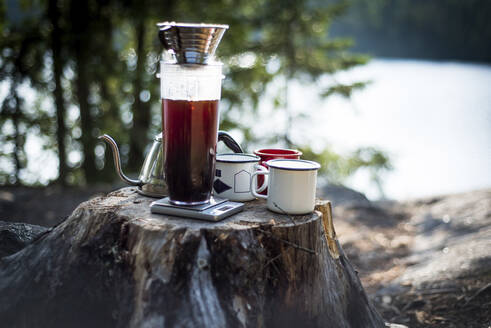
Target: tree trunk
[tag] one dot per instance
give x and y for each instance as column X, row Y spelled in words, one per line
column 54, row 17
column 80, row 19
column 141, row 110
column 114, row 264
column 18, row 144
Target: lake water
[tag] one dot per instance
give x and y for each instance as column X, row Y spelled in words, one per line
column 432, row 118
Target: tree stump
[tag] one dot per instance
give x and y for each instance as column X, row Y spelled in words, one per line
column 114, row 264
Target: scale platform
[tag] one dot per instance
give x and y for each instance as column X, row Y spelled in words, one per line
column 217, row 209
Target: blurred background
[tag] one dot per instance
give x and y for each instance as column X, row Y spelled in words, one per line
column 392, row 97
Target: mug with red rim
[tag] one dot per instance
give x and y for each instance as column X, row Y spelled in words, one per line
column 267, row 154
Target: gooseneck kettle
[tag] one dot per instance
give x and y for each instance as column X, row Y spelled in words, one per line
column 151, row 181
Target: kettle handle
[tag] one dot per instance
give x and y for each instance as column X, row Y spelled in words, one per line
column 162, row 36
column 229, row 142
column 117, row 161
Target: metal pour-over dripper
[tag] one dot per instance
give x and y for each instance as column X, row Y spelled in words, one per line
column 189, row 42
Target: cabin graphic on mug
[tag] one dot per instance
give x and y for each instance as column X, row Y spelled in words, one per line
column 242, row 181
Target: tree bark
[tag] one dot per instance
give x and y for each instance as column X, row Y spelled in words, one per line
column 16, row 236
column 113, row 263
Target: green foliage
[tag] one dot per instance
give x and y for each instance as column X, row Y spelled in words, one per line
column 339, row 167
column 345, row 90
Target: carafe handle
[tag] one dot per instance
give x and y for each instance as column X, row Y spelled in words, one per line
column 229, row 142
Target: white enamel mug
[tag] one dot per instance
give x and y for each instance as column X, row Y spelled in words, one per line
column 233, row 176
column 291, row 187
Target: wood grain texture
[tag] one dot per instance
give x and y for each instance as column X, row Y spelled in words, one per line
column 113, row 263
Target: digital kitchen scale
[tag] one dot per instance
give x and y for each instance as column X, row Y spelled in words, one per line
column 217, row 209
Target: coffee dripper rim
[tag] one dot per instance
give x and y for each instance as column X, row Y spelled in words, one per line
column 165, row 25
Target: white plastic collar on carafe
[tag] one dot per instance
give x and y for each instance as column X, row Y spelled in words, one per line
column 190, row 82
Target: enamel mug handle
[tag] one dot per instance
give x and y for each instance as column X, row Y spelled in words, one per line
column 254, row 191
column 261, row 168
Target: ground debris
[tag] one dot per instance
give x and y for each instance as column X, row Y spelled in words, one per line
column 424, row 263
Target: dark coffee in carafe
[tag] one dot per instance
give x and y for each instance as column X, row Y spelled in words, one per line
column 190, row 131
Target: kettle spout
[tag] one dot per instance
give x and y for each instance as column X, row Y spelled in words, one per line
column 117, row 161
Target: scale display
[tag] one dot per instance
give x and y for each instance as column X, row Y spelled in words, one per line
column 217, row 209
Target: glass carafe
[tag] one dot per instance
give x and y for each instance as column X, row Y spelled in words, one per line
column 190, row 94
